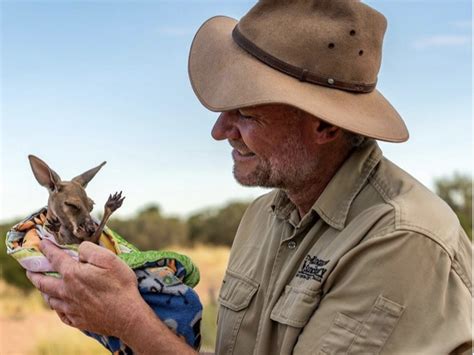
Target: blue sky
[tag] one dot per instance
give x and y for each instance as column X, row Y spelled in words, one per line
column 87, row 81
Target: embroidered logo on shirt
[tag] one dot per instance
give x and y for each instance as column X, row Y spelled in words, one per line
column 312, row 268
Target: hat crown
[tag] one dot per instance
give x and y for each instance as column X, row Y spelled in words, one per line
column 334, row 42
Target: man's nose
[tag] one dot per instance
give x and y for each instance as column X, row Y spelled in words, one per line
column 225, row 127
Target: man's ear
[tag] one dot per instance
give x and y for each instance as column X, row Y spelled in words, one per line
column 325, row 132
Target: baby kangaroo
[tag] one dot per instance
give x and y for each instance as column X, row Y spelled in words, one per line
column 69, row 208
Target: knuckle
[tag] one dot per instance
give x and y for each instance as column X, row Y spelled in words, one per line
column 53, row 304
column 62, row 294
column 40, row 285
column 109, row 258
column 69, row 274
column 66, row 275
column 84, row 247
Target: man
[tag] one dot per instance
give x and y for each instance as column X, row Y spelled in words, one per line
column 349, row 254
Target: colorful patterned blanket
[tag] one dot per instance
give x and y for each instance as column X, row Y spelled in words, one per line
column 165, row 278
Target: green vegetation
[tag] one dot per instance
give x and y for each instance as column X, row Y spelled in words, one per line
column 457, row 192
column 10, row 271
column 216, row 226
column 151, row 230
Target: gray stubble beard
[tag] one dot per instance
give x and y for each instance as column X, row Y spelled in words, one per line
column 296, row 169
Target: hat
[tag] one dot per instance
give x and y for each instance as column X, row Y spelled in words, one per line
column 321, row 56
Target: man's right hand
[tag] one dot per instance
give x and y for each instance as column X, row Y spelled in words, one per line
column 99, row 293
column 96, row 293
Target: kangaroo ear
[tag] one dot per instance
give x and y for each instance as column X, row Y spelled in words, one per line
column 46, row 176
column 84, row 178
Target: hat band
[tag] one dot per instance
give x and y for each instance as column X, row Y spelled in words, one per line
column 299, row 73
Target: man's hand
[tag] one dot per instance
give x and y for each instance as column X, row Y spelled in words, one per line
column 97, row 294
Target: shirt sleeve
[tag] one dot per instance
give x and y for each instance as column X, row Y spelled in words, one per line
column 396, row 293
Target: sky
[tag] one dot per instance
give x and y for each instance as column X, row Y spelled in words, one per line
column 88, row 81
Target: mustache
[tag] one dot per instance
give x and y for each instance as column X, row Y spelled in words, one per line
column 239, row 145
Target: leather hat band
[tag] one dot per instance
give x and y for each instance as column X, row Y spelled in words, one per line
column 299, row 73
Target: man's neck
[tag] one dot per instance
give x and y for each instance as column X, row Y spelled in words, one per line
column 305, row 195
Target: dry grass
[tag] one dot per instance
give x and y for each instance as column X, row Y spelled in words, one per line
column 16, row 304
column 68, row 341
column 212, row 262
column 27, row 326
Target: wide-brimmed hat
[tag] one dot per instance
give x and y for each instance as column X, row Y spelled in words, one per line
column 322, row 56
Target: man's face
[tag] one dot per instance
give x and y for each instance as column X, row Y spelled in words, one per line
column 273, row 145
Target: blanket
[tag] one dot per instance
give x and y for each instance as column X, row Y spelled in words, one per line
column 165, row 279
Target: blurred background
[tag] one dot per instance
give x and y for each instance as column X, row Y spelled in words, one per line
column 88, row 81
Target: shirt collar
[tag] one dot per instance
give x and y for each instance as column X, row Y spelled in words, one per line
column 334, row 203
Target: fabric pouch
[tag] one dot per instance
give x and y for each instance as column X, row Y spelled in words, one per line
column 165, row 279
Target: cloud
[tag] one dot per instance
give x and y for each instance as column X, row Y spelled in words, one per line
column 441, row 41
column 176, row 31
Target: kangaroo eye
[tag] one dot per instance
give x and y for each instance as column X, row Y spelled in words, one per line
column 72, row 206
column 91, row 204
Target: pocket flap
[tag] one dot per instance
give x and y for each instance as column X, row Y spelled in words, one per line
column 237, row 291
column 295, row 306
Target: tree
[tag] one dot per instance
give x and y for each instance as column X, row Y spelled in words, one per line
column 216, row 226
column 151, row 230
column 457, row 192
column 10, row 270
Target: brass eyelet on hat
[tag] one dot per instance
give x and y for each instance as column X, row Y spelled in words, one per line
column 331, row 81
column 331, row 45
column 361, row 52
column 352, row 33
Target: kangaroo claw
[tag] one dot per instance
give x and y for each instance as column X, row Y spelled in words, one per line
column 53, row 224
column 114, row 201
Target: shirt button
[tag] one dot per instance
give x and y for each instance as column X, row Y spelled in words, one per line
column 291, row 244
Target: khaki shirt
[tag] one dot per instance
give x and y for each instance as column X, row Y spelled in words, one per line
column 379, row 265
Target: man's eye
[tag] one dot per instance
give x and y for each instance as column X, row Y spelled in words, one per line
column 245, row 117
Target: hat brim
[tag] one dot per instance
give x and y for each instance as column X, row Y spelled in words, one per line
column 225, row 77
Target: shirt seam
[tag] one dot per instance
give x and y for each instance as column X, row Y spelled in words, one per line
column 377, row 184
column 399, row 226
column 458, row 271
column 455, row 266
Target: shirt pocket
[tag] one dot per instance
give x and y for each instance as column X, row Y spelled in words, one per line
column 295, row 306
column 235, row 296
column 349, row 336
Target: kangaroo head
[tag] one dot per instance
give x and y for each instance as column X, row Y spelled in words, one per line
column 68, row 201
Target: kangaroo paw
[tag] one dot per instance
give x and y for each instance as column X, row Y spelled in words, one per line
column 53, row 224
column 114, row 201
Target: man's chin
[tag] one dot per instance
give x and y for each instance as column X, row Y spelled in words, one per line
column 254, row 178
